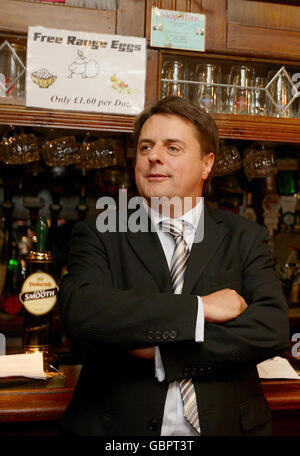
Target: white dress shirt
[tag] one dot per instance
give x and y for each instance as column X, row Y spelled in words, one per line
column 174, row 422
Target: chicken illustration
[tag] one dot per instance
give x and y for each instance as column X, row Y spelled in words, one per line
column 81, row 65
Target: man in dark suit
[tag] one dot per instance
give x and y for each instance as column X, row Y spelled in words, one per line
column 145, row 340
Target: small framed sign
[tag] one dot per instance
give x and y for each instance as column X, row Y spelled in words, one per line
column 177, row 30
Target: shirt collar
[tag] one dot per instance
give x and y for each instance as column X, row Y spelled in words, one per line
column 191, row 217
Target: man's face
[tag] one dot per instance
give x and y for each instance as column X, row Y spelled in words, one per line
column 169, row 159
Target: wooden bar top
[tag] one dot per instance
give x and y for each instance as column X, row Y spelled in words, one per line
column 39, row 404
column 282, row 394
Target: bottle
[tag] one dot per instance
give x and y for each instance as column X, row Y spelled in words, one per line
column 297, row 213
column 271, row 211
column 38, row 296
column 295, row 290
column 287, row 189
column 287, row 271
column 3, row 258
column 249, row 211
column 10, row 300
column 295, row 287
column 5, row 242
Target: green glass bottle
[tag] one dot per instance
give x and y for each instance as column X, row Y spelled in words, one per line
column 286, row 183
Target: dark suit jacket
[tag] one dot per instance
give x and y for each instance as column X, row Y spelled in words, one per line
column 117, row 295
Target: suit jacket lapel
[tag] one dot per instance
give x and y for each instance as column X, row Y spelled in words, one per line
column 148, row 248
column 202, row 252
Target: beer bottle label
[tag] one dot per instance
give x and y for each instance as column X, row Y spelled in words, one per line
column 39, row 293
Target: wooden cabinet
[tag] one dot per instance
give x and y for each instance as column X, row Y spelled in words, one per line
column 265, row 29
column 16, row 16
column 244, row 27
column 128, row 19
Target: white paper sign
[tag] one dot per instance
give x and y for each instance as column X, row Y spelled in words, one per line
column 277, row 367
column 83, row 71
column 23, row 365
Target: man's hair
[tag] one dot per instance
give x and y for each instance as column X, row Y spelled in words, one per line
column 205, row 125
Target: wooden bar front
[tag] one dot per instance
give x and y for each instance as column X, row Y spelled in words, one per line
column 37, row 411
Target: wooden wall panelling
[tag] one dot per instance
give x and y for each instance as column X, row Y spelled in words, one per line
column 264, row 29
column 131, row 17
column 258, row 14
column 196, row 6
column 193, row 6
column 148, row 18
column 167, row 4
column 16, row 16
column 263, row 42
column 215, row 11
column 186, row 5
column 152, row 77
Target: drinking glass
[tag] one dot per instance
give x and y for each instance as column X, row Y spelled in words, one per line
column 281, row 92
column 260, row 96
column 19, row 149
column 240, row 99
column 227, row 161
column 175, row 70
column 61, row 151
column 208, row 96
column 259, row 161
column 12, row 69
column 100, row 153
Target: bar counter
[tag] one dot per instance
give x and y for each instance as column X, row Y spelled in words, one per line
column 37, row 410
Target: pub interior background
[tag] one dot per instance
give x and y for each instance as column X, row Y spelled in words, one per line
column 246, row 78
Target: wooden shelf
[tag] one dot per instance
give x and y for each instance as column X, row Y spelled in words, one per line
column 31, row 117
column 230, row 126
column 258, row 128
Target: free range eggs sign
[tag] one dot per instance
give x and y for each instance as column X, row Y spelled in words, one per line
column 82, row 71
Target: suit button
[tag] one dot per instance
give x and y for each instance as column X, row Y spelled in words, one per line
column 202, row 370
column 152, row 425
column 157, row 335
column 194, row 371
column 173, row 334
column 166, row 334
column 149, row 335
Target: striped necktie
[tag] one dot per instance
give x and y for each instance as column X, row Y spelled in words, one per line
column 177, row 270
